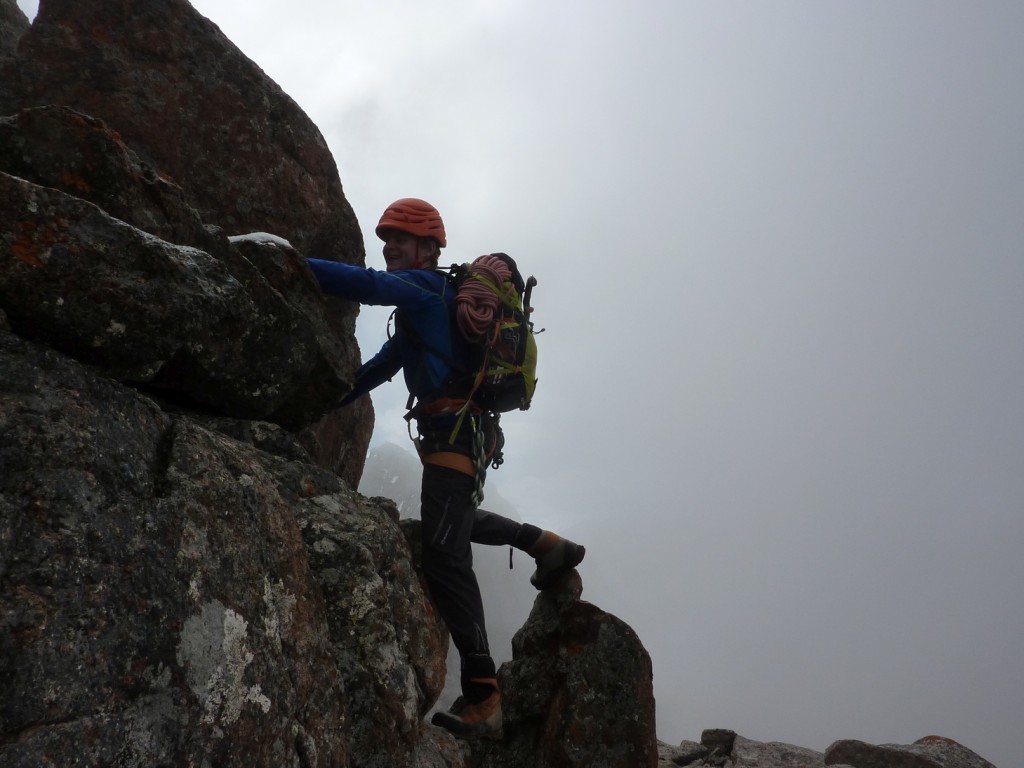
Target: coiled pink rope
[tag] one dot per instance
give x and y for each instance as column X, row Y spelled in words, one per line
column 477, row 301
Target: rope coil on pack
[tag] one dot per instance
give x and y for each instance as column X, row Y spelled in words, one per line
column 480, row 296
column 491, row 305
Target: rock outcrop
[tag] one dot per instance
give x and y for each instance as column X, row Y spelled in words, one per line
column 186, row 575
column 187, row 589
column 13, row 24
column 204, row 118
column 723, row 748
column 157, row 604
column 929, row 752
column 196, row 108
column 578, row 692
column 201, row 325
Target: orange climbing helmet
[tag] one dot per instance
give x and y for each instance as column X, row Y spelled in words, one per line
column 415, row 216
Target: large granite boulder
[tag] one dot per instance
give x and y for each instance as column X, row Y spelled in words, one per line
column 157, row 604
column 13, row 24
column 388, row 642
column 83, row 157
column 205, row 128
column 929, row 752
column 194, row 107
column 183, row 589
column 578, row 692
column 723, row 748
column 188, row 579
column 207, row 330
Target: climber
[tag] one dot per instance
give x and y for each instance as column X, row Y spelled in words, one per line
column 426, row 347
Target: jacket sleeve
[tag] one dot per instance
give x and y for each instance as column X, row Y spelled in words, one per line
column 375, row 371
column 427, row 298
column 368, row 286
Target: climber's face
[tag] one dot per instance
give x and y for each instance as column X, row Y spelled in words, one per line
column 405, row 251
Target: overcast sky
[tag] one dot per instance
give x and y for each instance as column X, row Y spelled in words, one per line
column 780, row 252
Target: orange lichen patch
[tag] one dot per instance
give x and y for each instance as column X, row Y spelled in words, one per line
column 72, row 180
column 116, row 138
column 101, row 33
column 25, row 249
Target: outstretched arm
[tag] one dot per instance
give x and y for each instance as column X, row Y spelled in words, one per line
column 368, row 286
column 375, row 371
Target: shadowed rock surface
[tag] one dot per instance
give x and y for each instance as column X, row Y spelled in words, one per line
column 157, row 602
column 196, row 108
column 724, row 748
column 201, row 116
column 578, row 691
column 13, row 24
column 206, row 328
column 929, row 752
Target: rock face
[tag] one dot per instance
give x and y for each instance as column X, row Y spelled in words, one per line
column 721, row 747
column 205, row 326
column 184, row 97
column 58, row 147
column 929, row 752
column 186, row 576
column 578, row 691
column 157, row 604
column 185, row 590
column 395, row 669
column 13, row 24
column 204, row 118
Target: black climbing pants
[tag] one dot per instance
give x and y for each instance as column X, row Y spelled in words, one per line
column 451, row 523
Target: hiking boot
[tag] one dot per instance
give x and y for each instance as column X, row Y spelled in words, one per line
column 555, row 557
column 478, row 720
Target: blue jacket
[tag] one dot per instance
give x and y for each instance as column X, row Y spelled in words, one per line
column 426, row 340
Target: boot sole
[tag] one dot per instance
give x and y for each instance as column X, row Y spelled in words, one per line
column 571, row 561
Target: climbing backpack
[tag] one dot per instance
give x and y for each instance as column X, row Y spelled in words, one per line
column 492, row 310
